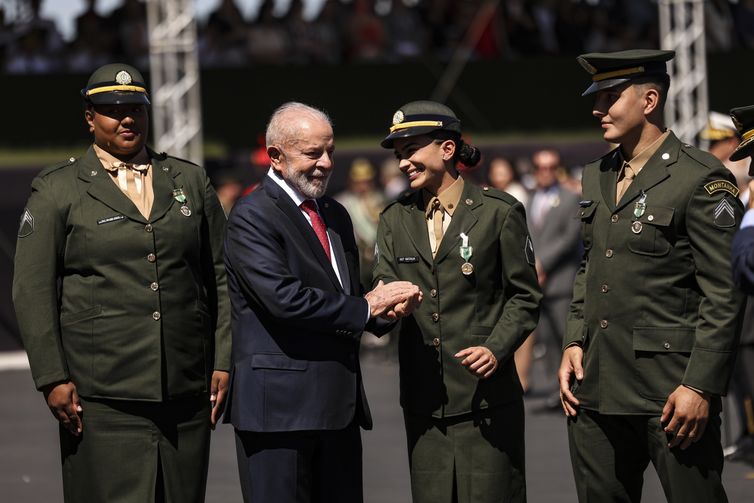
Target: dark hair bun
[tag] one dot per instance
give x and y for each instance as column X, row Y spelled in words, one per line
column 469, row 155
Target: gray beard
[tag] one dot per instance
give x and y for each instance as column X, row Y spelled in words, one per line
column 310, row 189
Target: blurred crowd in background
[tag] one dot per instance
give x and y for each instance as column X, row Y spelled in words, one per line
column 380, row 31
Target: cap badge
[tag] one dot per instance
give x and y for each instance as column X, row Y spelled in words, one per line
column 398, row 117
column 736, row 122
column 123, row 78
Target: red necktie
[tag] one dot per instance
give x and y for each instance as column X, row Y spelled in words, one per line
column 317, row 224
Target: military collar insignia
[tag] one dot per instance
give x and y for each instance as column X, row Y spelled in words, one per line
column 123, row 78
column 398, row 117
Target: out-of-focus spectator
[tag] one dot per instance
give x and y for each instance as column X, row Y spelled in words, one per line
column 744, row 21
column 36, row 46
column 94, row 44
column 393, row 181
column 364, row 203
column 229, row 189
column 268, row 40
column 723, row 137
column 222, row 43
column 129, row 21
column 556, row 233
column 503, row 176
column 407, row 33
column 719, row 27
column 365, row 33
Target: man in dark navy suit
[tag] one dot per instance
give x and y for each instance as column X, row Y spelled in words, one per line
column 742, row 254
column 296, row 395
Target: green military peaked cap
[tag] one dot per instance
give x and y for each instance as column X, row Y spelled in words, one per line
column 116, row 84
column 610, row 69
column 743, row 118
column 421, row 117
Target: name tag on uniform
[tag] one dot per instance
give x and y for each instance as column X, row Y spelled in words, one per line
column 107, row 220
column 408, row 260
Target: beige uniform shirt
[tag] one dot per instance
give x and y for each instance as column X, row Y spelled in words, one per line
column 630, row 169
column 134, row 178
column 447, row 203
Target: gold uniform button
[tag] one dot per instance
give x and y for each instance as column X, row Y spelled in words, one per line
column 151, row 257
column 433, row 293
column 148, row 227
column 614, row 218
column 666, row 345
column 435, row 317
column 603, row 323
column 604, row 288
column 609, row 253
column 436, row 342
column 156, row 315
column 154, row 286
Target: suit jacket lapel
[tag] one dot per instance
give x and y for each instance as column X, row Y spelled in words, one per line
column 288, row 207
column 462, row 222
column 654, row 171
column 163, row 184
column 102, row 188
column 337, row 245
column 416, row 228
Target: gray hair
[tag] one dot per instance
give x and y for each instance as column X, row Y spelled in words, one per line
column 282, row 130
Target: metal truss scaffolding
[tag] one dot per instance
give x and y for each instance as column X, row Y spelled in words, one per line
column 174, row 65
column 682, row 30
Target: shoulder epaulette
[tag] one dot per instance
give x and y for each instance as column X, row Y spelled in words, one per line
column 499, row 194
column 702, row 157
column 55, row 167
column 405, row 197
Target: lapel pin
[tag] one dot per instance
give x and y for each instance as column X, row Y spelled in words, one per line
column 93, row 173
column 665, row 156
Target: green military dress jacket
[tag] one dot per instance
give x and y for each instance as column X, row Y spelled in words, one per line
column 496, row 306
column 654, row 304
column 124, row 306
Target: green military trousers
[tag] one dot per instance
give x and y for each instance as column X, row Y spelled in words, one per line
column 138, row 452
column 473, row 458
column 609, row 454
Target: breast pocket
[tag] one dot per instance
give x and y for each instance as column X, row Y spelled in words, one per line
column 652, row 234
column 586, row 215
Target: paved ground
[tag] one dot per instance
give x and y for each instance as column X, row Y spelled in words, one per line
column 30, row 473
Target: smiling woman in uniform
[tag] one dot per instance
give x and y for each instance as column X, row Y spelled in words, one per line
column 121, row 300
column 469, row 251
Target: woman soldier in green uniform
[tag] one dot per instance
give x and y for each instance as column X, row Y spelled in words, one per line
column 469, row 251
column 121, row 300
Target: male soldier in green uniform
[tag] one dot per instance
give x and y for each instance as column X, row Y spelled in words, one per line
column 469, row 251
column 120, row 295
column 654, row 321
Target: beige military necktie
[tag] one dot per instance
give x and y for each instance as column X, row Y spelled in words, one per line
column 437, row 212
column 131, row 180
column 626, row 175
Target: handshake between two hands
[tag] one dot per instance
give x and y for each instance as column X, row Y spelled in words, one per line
column 393, row 300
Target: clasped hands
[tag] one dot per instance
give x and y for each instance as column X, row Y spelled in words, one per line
column 393, row 300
